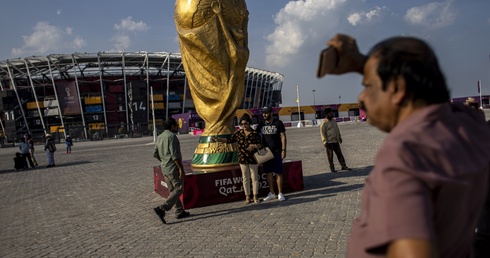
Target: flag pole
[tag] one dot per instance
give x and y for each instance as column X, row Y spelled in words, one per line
column 153, row 115
column 299, row 110
column 479, row 91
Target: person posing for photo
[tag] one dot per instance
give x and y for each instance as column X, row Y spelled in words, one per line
column 248, row 141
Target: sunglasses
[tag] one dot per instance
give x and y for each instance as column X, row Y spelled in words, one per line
column 244, row 123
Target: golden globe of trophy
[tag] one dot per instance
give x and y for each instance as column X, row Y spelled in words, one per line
column 213, row 42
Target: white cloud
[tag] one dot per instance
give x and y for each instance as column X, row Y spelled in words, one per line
column 294, row 25
column 354, row 18
column 364, row 17
column 122, row 42
column 58, row 12
column 17, row 52
column 78, row 42
column 46, row 37
column 433, row 15
column 129, row 24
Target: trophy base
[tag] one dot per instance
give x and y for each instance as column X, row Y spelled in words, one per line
column 209, row 156
column 224, row 186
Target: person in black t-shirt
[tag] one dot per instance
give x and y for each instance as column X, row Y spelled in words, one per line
column 273, row 136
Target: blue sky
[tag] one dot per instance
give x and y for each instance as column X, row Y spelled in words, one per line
column 284, row 36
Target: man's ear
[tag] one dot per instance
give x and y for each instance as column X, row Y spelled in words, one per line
column 399, row 90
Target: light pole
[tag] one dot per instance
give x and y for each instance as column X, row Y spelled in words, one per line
column 314, row 104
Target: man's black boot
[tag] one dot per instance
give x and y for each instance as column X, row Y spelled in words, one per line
column 160, row 213
column 182, row 215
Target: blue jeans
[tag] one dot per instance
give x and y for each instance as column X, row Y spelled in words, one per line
column 50, row 157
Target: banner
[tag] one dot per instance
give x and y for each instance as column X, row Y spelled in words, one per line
column 68, row 98
column 204, row 189
column 138, row 97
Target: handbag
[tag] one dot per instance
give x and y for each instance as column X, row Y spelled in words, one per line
column 263, row 155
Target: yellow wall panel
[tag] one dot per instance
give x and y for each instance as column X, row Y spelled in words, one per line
column 33, row 105
column 346, row 107
column 93, row 100
column 96, row 126
column 158, row 97
column 158, row 105
column 286, row 111
column 56, row 129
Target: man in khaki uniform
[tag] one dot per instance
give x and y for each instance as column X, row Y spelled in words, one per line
column 330, row 133
column 167, row 151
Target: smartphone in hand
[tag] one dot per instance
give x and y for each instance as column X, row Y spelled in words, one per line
column 328, row 61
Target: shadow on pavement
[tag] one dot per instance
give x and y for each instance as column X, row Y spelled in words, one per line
column 316, row 187
column 67, row 164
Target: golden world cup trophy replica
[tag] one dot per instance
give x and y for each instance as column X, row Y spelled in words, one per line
column 213, row 41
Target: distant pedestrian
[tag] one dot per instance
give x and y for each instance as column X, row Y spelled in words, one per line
column 19, row 162
column 167, row 151
column 331, row 138
column 50, row 148
column 471, row 102
column 24, row 151
column 69, row 143
column 30, row 141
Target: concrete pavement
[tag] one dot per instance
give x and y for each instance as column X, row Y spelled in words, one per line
column 97, row 202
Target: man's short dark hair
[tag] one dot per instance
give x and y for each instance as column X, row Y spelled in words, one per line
column 267, row 109
column 415, row 61
column 169, row 123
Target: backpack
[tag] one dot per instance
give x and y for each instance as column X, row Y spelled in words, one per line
column 51, row 147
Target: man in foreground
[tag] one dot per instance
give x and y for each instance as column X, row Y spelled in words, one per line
column 167, row 151
column 430, row 177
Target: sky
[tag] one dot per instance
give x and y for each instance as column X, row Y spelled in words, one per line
column 284, row 36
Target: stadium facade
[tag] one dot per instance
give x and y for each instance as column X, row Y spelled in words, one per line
column 106, row 93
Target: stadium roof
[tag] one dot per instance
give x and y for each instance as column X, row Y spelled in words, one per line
column 64, row 66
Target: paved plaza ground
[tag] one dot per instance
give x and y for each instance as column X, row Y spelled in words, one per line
column 98, row 201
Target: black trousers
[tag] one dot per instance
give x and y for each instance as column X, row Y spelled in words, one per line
column 27, row 157
column 331, row 148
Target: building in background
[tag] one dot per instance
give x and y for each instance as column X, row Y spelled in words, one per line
column 106, row 93
column 484, row 102
column 310, row 116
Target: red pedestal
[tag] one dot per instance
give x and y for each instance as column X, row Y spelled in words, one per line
column 204, row 189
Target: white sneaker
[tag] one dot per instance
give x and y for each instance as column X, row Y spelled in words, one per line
column 270, row 196
column 281, row 197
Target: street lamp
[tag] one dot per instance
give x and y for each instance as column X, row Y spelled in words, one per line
column 313, row 97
